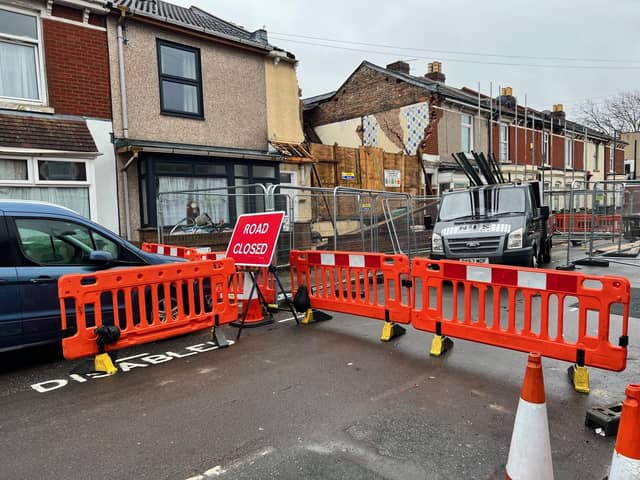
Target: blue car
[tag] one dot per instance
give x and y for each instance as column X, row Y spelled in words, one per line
column 40, row 242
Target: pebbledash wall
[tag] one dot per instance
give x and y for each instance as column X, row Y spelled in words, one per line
column 74, row 90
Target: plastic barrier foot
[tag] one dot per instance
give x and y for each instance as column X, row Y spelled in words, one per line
column 311, row 316
column 218, row 337
column 579, row 378
column 103, row 363
column 440, row 345
column 390, row 331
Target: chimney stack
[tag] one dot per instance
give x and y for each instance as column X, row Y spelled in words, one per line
column 434, row 72
column 399, row 66
column 558, row 115
column 507, row 99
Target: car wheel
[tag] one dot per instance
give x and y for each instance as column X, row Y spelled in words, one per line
column 162, row 309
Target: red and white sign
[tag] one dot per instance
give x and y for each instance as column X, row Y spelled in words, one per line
column 254, row 238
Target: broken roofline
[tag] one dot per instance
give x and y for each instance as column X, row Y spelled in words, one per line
column 465, row 95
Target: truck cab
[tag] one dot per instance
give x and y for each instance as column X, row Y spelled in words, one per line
column 496, row 223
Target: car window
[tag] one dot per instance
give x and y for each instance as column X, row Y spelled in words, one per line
column 59, row 242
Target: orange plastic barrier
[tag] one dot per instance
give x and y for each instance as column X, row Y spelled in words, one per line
column 348, row 282
column 266, row 282
column 482, row 296
column 578, row 222
column 136, row 299
column 172, row 250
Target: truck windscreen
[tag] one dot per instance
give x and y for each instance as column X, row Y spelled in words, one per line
column 487, row 202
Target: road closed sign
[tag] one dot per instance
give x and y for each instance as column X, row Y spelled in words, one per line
column 254, row 238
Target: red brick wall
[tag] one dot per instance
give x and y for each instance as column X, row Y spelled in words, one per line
column 77, row 66
column 619, row 161
column 557, row 151
column 66, row 12
column 578, row 155
column 367, row 92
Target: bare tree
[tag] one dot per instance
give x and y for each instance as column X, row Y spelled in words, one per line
column 619, row 113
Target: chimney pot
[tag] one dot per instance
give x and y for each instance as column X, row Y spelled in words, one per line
column 434, row 72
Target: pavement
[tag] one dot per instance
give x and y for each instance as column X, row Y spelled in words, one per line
column 320, row 401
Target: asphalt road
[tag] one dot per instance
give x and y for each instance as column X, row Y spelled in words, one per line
column 323, row 401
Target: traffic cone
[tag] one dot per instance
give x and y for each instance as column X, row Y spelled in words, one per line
column 530, row 452
column 626, row 456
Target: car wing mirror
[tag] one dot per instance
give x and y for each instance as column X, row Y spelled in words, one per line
column 101, row 258
column 428, row 222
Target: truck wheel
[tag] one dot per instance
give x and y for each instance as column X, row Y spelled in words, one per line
column 546, row 254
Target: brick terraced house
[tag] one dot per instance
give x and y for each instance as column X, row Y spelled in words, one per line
column 55, row 106
column 400, row 112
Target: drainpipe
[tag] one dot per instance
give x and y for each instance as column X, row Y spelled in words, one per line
column 123, row 84
column 125, row 118
column 125, row 180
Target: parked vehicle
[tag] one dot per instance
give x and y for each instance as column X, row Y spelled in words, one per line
column 40, row 242
column 495, row 223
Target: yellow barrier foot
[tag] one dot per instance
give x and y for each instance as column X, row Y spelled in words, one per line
column 579, row 378
column 273, row 307
column 218, row 337
column 311, row 316
column 440, row 345
column 390, row 331
column 103, row 363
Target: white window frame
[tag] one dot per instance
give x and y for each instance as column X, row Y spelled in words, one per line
column 503, row 142
column 545, row 149
column 34, row 181
column 40, row 76
column 466, row 126
column 568, row 153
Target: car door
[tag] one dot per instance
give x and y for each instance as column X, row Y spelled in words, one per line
column 50, row 248
column 10, row 295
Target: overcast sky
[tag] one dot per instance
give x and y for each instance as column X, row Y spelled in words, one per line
column 589, row 48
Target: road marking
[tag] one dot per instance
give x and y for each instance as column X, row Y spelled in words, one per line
column 286, row 319
column 125, row 365
column 240, row 462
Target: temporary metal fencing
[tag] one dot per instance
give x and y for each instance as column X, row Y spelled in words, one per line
column 604, row 218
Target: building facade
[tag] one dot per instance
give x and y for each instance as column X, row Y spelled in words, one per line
column 55, row 106
column 421, row 115
column 196, row 101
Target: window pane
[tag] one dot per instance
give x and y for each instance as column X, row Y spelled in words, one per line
column 18, row 78
column 18, row 24
column 211, row 170
column 264, row 172
column 174, row 168
column 178, row 62
column 103, row 243
column 241, row 170
column 77, row 199
column 62, row 171
column 54, row 242
column 174, row 206
column 13, row 169
column 178, row 97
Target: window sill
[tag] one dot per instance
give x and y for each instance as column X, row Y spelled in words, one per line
column 182, row 115
column 25, row 107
